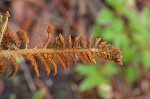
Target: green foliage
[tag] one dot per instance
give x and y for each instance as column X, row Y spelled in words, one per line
column 12, row 96
column 105, row 17
column 126, row 29
column 145, row 59
column 95, row 75
column 109, row 69
column 39, row 94
column 131, row 74
column 117, row 4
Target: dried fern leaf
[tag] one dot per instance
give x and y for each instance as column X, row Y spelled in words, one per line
column 4, row 26
column 71, row 54
column 10, row 41
column 15, row 66
column 91, row 58
column 2, row 65
column 59, row 58
column 66, row 58
column 82, row 44
column 50, row 30
column 76, row 43
column 97, row 41
column 30, row 57
column 81, row 57
column 89, row 42
column 62, row 40
column 69, row 42
column 87, row 50
column 50, row 59
column 43, row 61
column 99, row 51
column 23, row 36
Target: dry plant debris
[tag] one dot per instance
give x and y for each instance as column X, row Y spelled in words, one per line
column 87, row 50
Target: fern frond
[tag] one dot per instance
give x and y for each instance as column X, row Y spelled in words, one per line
column 23, row 37
column 2, row 65
column 9, row 40
column 34, row 64
column 86, row 49
column 50, row 59
column 15, row 66
column 4, row 26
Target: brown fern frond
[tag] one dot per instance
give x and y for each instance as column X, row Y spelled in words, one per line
column 50, row 30
column 66, row 58
column 82, row 44
column 4, row 26
column 80, row 55
column 9, row 40
column 57, row 56
column 23, row 36
column 87, row 50
column 89, row 42
column 97, row 41
column 30, row 57
column 2, row 65
column 61, row 38
column 15, row 66
column 72, row 54
column 43, row 61
column 50, row 59
column 69, row 42
column 90, row 55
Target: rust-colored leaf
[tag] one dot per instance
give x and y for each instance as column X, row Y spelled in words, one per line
column 15, row 66
column 34, row 64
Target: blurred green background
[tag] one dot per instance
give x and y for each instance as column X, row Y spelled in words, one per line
column 122, row 23
column 123, row 26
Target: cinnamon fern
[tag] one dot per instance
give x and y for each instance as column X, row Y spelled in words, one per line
column 87, row 49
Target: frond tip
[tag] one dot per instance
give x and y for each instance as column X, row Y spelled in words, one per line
column 87, row 50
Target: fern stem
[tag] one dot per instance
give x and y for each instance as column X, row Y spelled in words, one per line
column 7, row 53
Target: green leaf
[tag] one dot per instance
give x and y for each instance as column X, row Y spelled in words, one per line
column 92, row 81
column 146, row 15
column 145, row 59
column 93, row 75
column 131, row 74
column 110, row 69
column 86, row 70
column 96, row 30
column 104, row 17
column 119, row 5
column 39, row 94
column 89, row 83
column 108, row 34
column 122, row 40
column 135, row 23
column 138, row 38
column 117, row 24
column 129, row 54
